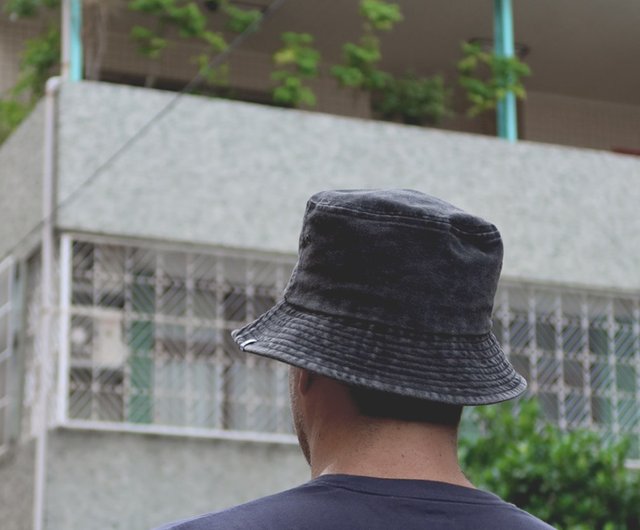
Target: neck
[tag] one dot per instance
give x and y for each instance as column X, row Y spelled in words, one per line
column 388, row 449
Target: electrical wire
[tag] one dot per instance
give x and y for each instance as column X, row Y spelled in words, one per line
column 141, row 132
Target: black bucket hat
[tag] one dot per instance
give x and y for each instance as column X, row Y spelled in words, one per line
column 393, row 290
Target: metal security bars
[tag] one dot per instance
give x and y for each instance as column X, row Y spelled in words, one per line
column 6, row 350
column 148, row 343
column 149, row 338
column 580, row 352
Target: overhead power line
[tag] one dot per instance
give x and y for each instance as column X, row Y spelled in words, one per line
column 193, row 84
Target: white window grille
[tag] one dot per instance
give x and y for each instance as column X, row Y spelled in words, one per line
column 580, row 352
column 7, row 273
column 149, row 339
column 149, row 343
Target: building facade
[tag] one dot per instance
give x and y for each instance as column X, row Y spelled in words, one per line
column 137, row 228
column 192, row 231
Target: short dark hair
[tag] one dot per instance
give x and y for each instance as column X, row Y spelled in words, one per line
column 379, row 404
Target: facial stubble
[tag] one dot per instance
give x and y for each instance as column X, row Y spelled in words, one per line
column 296, row 412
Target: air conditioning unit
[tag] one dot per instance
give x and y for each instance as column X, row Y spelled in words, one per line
column 109, row 347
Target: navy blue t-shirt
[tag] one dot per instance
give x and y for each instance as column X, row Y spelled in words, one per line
column 336, row 502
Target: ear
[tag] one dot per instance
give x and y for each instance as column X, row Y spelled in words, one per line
column 305, row 380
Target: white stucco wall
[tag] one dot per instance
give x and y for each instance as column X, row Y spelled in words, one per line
column 100, row 480
column 17, row 471
column 238, row 175
column 21, row 184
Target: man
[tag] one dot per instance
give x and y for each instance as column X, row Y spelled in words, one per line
column 386, row 323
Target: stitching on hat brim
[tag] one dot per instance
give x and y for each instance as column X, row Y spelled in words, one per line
column 403, row 331
column 473, row 386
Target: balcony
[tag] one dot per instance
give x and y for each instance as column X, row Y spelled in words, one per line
column 580, row 94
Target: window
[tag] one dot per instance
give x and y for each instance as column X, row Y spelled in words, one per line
column 580, row 352
column 149, row 343
column 149, row 339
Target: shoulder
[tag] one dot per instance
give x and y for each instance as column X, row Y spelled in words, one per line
column 514, row 518
column 282, row 510
column 359, row 502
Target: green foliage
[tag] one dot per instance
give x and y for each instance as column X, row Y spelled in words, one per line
column 415, row 100
column 570, row 480
column 41, row 55
column 297, row 61
column 359, row 66
column 381, row 15
column 39, row 60
column 12, row 112
column 214, row 76
column 487, row 77
column 240, row 20
column 190, row 22
column 412, row 99
column 149, row 43
column 28, row 8
column 187, row 19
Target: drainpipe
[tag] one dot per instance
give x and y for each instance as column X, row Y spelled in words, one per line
column 72, row 53
column 504, row 46
column 46, row 299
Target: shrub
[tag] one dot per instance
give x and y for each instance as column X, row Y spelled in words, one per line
column 571, row 480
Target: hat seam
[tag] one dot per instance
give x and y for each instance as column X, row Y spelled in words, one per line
column 515, row 387
column 489, row 344
column 486, row 368
column 341, row 210
column 372, row 324
column 277, row 335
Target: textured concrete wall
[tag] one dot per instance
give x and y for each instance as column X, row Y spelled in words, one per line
column 101, row 481
column 237, row 174
column 16, row 488
column 21, row 181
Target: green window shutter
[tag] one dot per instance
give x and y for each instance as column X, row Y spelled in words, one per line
column 141, row 343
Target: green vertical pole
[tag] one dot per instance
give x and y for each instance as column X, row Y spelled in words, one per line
column 504, row 46
column 75, row 41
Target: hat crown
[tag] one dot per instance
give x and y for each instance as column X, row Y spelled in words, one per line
column 398, row 258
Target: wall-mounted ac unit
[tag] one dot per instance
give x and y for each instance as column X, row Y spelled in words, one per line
column 109, row 347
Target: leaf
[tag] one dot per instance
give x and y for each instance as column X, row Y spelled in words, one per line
column 484, row 91
column 380, row 14
column 240, row 20
column 12, row 113
column 572, row 480
column 284, row 56
column 149, row 43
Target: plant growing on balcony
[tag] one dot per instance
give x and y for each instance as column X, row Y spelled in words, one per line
column 487, row 77
column 414, row 100
column 359, row 68
column 191, row 23
column 28, row 8
column 39, row 60
column 297, row 61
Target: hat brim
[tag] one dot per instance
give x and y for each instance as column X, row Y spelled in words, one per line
column 460, row 370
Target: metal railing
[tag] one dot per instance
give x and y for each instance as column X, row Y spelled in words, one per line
column 6, row 351
column 580, row 352
column 149, row 338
